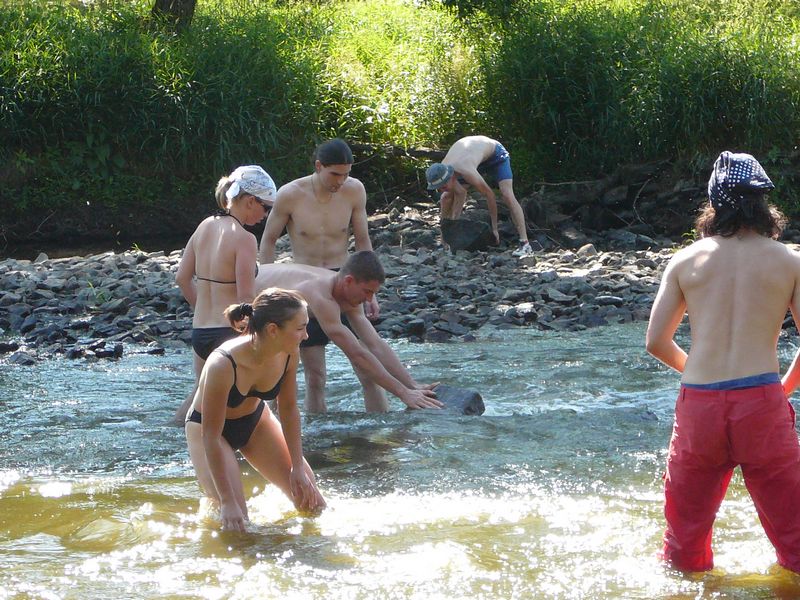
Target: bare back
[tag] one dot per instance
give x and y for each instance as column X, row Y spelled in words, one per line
column 315, row 284
column 468, row 152
column 737, row 291
column 319, row 223
column 218, row 246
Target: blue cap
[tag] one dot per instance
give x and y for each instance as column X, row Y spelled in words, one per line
column 733, row 176
column 437, row 175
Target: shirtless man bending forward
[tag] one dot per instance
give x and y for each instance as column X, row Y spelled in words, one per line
column 462, row 167
column 330, row 295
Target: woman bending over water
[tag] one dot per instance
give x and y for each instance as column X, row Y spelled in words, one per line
column 223, row 418
column 218, row 266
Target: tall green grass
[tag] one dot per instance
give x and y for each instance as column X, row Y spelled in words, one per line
column 581, row 86
column 99, row 104
column 401, row 74
column 95, row 97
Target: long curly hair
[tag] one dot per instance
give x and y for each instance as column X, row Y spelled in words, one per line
column 752, row 212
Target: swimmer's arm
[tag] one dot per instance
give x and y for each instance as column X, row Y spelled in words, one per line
column 381, row 350
column 185, row 274
column 423, row 396
column 245, row 269
column 216, row 380
column 665, row 317
column 791, row 379
column 302, row 483
column 289, row 413
column 361, row 356
column 359, row 222
column 276, row 222
column 479, row 183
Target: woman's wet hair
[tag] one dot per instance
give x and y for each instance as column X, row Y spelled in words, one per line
column 273, row 305
column 334, row 152
column 752, row 212
column 364, row 266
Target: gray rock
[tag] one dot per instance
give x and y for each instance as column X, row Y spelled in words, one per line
column 465, row 234
column 462, row 400
column 22, row 358
column 609, row 300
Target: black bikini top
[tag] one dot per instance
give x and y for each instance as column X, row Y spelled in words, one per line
column 235, row 397
column 217, row 281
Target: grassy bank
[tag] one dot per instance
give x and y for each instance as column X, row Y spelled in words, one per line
column 98, row 105
column 630, row 80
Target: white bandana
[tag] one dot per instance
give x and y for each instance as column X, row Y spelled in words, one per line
column 251, row 179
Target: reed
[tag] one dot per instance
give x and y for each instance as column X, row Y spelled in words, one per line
column 97, row 102
column 584, row 85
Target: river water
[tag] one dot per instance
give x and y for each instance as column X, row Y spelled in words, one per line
column 555, row 492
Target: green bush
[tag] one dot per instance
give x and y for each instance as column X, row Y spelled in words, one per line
column 97, row 94
column 395, row 73
column 98, row 104
column 92, row 94
column 584, row 86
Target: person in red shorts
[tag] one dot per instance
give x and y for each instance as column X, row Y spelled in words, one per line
column 736, row 283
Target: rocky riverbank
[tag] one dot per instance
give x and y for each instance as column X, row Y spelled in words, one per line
column 106, row 305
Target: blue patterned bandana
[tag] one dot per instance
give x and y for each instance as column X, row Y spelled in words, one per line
column 733, row 175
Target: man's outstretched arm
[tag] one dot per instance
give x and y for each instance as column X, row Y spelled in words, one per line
column 386, row 375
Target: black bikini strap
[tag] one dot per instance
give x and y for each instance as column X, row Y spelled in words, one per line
column 224, row 213
column 235, row 219
column 227, row 355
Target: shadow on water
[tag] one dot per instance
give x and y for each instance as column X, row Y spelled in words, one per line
column 435, row 452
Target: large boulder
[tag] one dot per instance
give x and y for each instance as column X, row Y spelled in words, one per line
column 466, row 234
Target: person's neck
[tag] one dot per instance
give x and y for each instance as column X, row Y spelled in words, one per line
column 263, row 349
column 337, row 289
column 321, row 195
column 237, row 214
column 746, row 233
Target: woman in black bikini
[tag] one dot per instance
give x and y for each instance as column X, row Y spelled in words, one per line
column 219, row 263
column 224, row 418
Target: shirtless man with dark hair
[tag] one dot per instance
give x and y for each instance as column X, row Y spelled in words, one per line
column 463, row 166
column 736, row 284
column 331, row 295
column 318, row 211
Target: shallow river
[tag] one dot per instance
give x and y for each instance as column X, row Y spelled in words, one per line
column 555, row 492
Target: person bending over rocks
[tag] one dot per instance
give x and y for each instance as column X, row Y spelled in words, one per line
column 224, row 419
column 736, row 284
column 218, row 266
column 318, row 211
column 462, row 166
column 331, row 295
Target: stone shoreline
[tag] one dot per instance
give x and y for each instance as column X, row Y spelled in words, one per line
column 106, row 305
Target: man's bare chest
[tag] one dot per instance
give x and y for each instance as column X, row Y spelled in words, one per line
column 310, row 217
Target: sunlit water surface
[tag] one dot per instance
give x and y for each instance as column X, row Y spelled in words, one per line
column 555, row 492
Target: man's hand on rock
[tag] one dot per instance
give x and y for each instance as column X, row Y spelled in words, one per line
column 422, row 397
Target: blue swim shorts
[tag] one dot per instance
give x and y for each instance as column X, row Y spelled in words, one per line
column 499, row 165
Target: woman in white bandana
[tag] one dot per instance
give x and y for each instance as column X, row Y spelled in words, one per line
column 219, row 263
